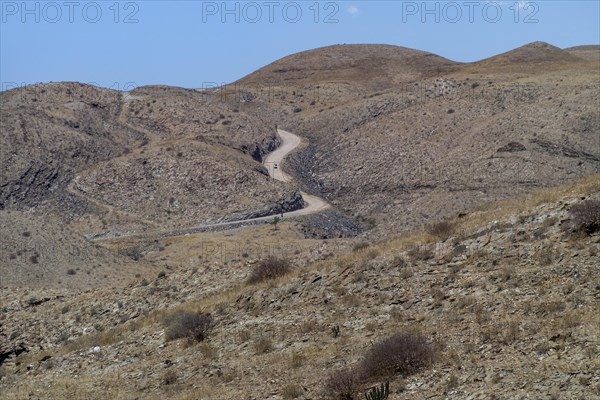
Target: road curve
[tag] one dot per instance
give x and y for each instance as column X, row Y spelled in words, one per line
column 273, row 162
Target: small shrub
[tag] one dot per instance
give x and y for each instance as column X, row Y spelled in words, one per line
column 309, row 326
column 244, row 335
column 208, row 352
column 399, row 262
column 442, row 230
column 452, row 382
column 421, row 253
column 269, row 268
column 335, row 331
column 459, row 250
column 291, row 391
column 134, row 252
column 570, row 320
column 360, row 246
column 367, row 223
column 545, row 257
column 188, row 324
column 542, row 348
column 71, row 271
column 263, row 345
column 371, row 254
column 406, row 273
column 342, row 385
column 506, row 273
column 402, row 353
column 586, row 216
column 169, row 377
column 63, row 337
column 297, row 359
column 510, row 333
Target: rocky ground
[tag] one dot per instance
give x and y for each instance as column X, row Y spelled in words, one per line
column 510, row 297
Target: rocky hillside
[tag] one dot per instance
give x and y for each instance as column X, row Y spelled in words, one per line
column 426, row 147
column 537, row 53
column 79, row 160
column 366, row 65
column 506, row 297
column 591, row 52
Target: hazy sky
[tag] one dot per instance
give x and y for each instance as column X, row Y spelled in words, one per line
column 194, row 43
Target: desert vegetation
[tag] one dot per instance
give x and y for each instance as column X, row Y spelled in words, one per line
column 401, row 354
column 585, row 216
column 269, row 268
column 188, row 324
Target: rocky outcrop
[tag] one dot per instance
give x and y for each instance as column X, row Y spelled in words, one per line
column 33, row 184
column 329, row 224
column 564, row 151
column 511, row 148
column 291, row 203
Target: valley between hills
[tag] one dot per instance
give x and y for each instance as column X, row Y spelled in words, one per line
column 262, row 239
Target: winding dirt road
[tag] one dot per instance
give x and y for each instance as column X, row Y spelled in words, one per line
column 273, row 162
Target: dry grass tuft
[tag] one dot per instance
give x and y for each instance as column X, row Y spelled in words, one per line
column 442, row 230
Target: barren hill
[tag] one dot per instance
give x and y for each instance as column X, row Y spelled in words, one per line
column 356, row 64
column 530, row 54
column 589, row 52
column 94, row 160
column 423, row 147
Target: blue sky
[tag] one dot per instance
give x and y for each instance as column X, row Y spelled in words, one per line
column 197, row 43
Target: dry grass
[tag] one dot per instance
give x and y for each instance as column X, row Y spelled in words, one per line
column 510, row 332
column 262, row 344
column 291, row 391
column 442, row 230
column 519, row 205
